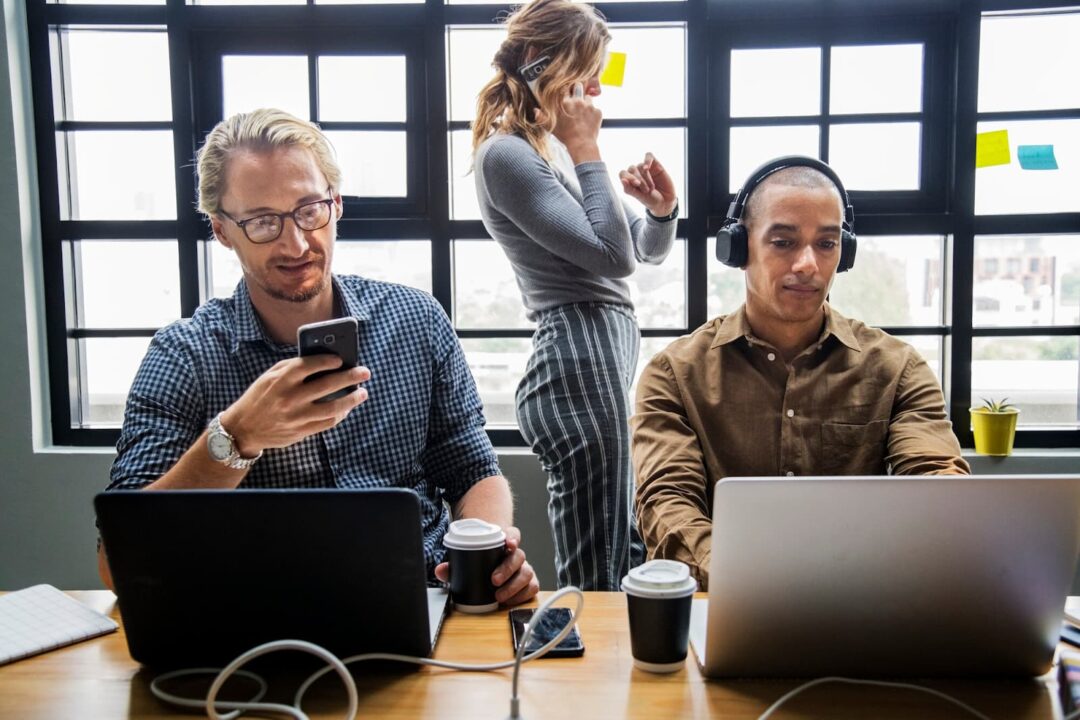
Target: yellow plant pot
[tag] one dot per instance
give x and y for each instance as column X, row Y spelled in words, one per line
column 994, row 432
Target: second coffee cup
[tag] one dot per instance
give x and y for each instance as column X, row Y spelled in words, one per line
column 658, row 596
column 474, row 549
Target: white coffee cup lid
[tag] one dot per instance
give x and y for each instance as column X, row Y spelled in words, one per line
column 660, row 579
column 473, row 534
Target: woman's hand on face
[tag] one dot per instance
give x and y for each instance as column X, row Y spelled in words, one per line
column 649, row 183
column 577, row 125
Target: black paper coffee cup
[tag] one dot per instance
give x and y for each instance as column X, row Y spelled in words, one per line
column 474, row 549
column 658, row 597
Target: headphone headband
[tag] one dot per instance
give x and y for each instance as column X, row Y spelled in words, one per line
column 738, row 204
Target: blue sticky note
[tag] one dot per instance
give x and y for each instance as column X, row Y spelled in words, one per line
column 1036, row 157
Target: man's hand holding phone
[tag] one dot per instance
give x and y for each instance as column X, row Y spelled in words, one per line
column 281, row 407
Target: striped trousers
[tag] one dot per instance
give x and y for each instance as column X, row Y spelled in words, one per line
column 573, row 407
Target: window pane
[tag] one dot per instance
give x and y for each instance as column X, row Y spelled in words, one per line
column 896, row 282
column 98, row 75
column 111, row 364
column 149, row 273
column 621, row 147
column 486, row 295
column 365, row 2
column 751, row 147
column 407, row 262
column 1037, row 374
column 464, row 205
column 498, row 364
column 367, row 88
column 374, row 162
column 1023, row 62
column 876, row 79
column 1027, row 280
column 224, row 270
column 654, row 85
column 876, row 156
column 727, row 286
column 116, row 175
column 470, row 51
column 251, row 82
column 775, row 83
column 246, row 2
column 659, row 291
column 1008, row 189
column 106, row 2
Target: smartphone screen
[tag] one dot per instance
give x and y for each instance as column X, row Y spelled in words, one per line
column 333, row 337
column 554, row 620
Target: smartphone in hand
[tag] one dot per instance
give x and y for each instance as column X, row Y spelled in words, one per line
column 331, row 337
column 554, row 620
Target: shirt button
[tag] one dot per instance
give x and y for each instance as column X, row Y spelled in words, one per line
column 791, row 413
column 790, row 474
column 771, row 356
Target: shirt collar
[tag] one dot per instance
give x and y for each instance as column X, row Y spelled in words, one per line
column 736, row 325
column 249, row 327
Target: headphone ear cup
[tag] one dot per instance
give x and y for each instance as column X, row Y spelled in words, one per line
column 848, row 247
column 731, row 247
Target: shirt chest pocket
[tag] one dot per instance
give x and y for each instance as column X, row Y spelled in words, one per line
column 854, row 449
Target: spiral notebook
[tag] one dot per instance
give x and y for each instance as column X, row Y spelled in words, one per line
column 42, row 618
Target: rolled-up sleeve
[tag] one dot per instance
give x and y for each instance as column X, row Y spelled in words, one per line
column 671, row 502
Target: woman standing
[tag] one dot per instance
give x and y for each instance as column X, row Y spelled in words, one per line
column 546, row 198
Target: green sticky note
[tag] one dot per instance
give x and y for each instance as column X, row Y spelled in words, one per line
column 614, row 70
column 992, row 148
column 1036, row 157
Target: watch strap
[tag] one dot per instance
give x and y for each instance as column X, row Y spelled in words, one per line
column 665, row 218
column 234, row 460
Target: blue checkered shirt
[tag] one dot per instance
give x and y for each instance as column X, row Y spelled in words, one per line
column 422, row 426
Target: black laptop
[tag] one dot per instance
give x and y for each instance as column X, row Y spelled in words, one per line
column 203, row 575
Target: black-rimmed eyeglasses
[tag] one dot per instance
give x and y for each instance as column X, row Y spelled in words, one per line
column 267, row 228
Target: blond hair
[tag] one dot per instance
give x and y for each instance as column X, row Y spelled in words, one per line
column 572, row 35
column 260, row 131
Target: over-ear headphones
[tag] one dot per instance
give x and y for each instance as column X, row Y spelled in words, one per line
column 732, row 240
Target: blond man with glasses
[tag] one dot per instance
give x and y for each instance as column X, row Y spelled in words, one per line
column 222, row 400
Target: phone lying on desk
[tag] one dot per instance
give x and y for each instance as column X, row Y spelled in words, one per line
column 330, row 337
column 554, row 620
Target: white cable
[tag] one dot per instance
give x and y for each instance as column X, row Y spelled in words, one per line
column 211, row 704
column 881, row 683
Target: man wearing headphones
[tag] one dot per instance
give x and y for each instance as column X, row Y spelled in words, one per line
column 785, row 385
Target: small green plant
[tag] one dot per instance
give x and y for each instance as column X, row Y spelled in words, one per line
column 995, row 406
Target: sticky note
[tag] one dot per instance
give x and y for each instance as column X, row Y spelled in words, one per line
column 614, row 70
column 992, row 148
column 1036, row 157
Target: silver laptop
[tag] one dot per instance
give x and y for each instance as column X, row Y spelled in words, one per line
column 887, row 576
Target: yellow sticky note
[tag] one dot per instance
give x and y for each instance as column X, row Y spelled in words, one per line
column 614, row 70
column 992, row 148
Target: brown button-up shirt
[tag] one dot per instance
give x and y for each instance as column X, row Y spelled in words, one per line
column 722, row 403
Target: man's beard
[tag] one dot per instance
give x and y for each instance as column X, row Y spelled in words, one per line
column 301, row 296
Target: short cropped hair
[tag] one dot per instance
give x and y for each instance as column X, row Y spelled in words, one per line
column 260, row 131
column 797, row 176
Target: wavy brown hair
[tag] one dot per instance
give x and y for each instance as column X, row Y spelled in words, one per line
column 574, row 36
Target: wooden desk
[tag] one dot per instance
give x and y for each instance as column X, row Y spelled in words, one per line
column 97, row 679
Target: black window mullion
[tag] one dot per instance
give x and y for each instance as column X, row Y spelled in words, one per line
column 188, row 220
column 963, row 260
column 438, row 190
column 697, row 173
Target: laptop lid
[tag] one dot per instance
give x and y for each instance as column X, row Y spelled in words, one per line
column 887, row 576
column 203, row 575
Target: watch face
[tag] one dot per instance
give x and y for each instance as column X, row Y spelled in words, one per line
column 220, row 446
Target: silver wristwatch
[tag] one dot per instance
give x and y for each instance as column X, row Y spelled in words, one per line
column 222, row 447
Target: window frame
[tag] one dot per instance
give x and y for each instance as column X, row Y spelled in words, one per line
column 944, row 204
